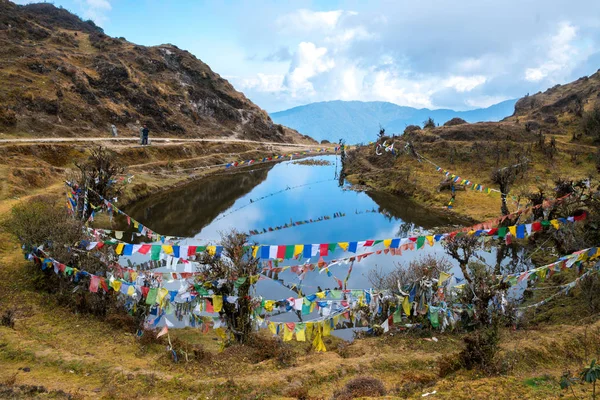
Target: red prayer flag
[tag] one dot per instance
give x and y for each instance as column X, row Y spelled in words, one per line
column 145, row 248
column 281, row 251
column 323, row 249
column 536, row 226
column 191, row 251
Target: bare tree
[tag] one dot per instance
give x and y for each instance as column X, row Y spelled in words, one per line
column 234, row 270
column 98, row 174
column 506, row 177
column 462, row 248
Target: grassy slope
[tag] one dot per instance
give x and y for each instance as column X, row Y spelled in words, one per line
column 84, row 357
column 385, row 173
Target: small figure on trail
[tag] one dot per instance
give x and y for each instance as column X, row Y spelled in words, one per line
column 113, row 129
column 145, row 133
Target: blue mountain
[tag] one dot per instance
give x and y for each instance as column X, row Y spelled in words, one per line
column 358, row 121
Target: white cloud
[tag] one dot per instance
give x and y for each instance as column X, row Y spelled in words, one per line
column 261, row 82
column 96, row 10
column 464, row 83
column 485, row 101
column 304, row 20
column 425, row 54
column 562, row 55
column 308, row 61
column 388, row 86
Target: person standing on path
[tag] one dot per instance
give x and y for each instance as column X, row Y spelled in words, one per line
column 113, row 129
column 141, row 135
column 145, row 133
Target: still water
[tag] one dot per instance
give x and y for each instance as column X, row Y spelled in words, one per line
column 271, row 195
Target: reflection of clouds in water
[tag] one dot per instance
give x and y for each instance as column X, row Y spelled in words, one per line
column 242, row 221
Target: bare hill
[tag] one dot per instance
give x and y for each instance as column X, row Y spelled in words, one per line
column 61, row 76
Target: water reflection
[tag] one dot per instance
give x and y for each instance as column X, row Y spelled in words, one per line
column 185, row 211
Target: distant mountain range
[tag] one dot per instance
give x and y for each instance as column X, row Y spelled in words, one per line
column 358, row 121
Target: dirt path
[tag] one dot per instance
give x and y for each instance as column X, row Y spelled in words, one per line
column 154, row 140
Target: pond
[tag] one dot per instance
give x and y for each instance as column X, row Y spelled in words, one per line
column 275, row 194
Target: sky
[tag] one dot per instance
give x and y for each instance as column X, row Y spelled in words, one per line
column 460, row 54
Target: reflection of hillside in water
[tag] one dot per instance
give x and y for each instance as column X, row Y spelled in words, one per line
column 185, row 211
column 410, row 213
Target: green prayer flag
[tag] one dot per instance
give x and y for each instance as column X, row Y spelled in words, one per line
column 375, row 243
column 289, row 251
column 200, row 249
column 420, row 241
column 151, row 298
column 331, row 247
column 398, row 315
column 545, row 223
column 239, row 282
column 502, row 231
column 305, row 308
column 155, row 256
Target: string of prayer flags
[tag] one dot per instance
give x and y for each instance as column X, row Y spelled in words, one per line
column 273, row 158
column 465, row 182
column 323, row 249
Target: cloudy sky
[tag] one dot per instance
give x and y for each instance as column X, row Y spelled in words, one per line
column 459, row 54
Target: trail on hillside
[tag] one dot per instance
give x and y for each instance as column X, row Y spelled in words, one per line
column 163, row 140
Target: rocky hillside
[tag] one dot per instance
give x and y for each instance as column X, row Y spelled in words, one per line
column 546, row 129
column 61, row 76
column 560, row 108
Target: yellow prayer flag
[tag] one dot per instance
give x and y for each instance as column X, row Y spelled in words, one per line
column 167, row 249
column 217, row 303
column 116, row 285
column 318, row 344
column 269, row 305
column 288, row 333
column 300, row 335
column 554, row 223
column 298, row 248
column 255, row 251
column 513, row 230
column 343, row 245
column 443, row 278
column 162, row 293
column 429, row 240
column 135, row 224
column 273, row 328
column 388, row 242
column 320, row 295
column 131, row 290
column 212, row 250
column 119, row 248
column 326, row 328
column 406, row 306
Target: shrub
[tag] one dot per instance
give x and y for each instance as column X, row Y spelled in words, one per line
column 481, row 347
column 411, row 128
column 8, row 319
column 448, row 363
column 590, row 123
column 428, row 123
column 362, row 386
column 455, row 121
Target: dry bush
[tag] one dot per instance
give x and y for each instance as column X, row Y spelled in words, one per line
column 481, row 347
column 148, row 338
column 427, row 266
column 362, row 386
column 8, row 319
column 261, row 347
column 191, row 351
column 455, row 121
column 447, row 364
